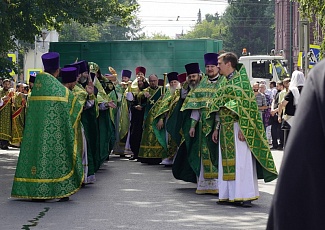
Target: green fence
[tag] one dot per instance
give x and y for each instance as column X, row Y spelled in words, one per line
column 158, row 56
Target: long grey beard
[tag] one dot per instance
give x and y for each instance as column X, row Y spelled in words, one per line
column 173, row 89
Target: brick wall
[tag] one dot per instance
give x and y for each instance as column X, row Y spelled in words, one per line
column 287, row 31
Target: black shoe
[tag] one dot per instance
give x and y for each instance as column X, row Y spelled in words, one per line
column 133, row 158
column 39, row 200
column 223, row 202
column 247, row 204
column 64, row 199
column 273, row 148
column 235, row 203
column 279, row 148
column 153, row 161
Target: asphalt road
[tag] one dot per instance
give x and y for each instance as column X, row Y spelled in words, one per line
column 130, row 195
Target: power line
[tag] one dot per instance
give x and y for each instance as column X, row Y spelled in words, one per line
column 237, row 19
column 171, row 20
column 168, row 25
column 157, row 16
column 209, row 2
column 172, row 17
column 191, row 3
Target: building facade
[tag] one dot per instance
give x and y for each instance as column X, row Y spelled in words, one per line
column 287, row 19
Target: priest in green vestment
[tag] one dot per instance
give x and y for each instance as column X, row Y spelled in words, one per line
column 69, row 76
column 167, row 104
column 84, row 91
column 89, row 118
column 244, row 153
column 18, row 118
column 49, row 165
column 111, row 92
column 114, row 90
column 105, row 124
column 138, row 101
column 151, row 150
column 104, row 118
column 123, row 119
column 181, row 167
column 174, row 123
column 7, row 97
column 202, row 126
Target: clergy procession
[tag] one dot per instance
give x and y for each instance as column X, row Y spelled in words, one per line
column 204, row 124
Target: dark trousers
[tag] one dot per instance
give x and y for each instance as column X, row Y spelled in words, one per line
column 4, row 144
column 136, row 131
column 276, row 132
column 286, row 135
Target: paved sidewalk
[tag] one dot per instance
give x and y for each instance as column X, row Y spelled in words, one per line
column 130, row 195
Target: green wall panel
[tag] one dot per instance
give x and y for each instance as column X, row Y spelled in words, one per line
column 158, row 56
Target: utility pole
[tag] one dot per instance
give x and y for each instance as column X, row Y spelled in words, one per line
column 304, row 42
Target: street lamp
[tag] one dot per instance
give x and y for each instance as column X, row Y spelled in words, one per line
column 44, row 47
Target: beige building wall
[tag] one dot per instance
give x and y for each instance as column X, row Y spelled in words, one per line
column 32, row 59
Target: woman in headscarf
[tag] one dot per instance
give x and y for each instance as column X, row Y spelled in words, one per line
column 290, row 102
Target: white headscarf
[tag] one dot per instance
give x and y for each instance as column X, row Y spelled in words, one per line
column 297, row 79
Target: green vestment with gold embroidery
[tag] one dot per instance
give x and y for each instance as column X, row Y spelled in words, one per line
column 18, row 118
column 81, row 94
column 178, row 126
column 235, row 102
column 89, row 122
column 123, row 123
column 113, row 115
column 124, row 116
column 49, row 164
column 175, row 118
column 5, row 116
column 166, row 106
column 150, row 146
column 201, row 145
column 105, row 125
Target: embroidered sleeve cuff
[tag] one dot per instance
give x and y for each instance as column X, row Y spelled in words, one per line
column 193, row 123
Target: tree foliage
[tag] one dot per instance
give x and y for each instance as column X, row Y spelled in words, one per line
column 250, row 25
column 158, row 36
column 311, row 10
column 103, row 31
column 23, row 19
column 132, row 31
column 245, row 24
column 75, row 31
column 211, row 27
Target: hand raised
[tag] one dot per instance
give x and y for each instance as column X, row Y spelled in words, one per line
column 90, row 87
column 111, row 104
column 147, row 94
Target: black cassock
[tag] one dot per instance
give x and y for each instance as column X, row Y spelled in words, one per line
column 299, row 199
